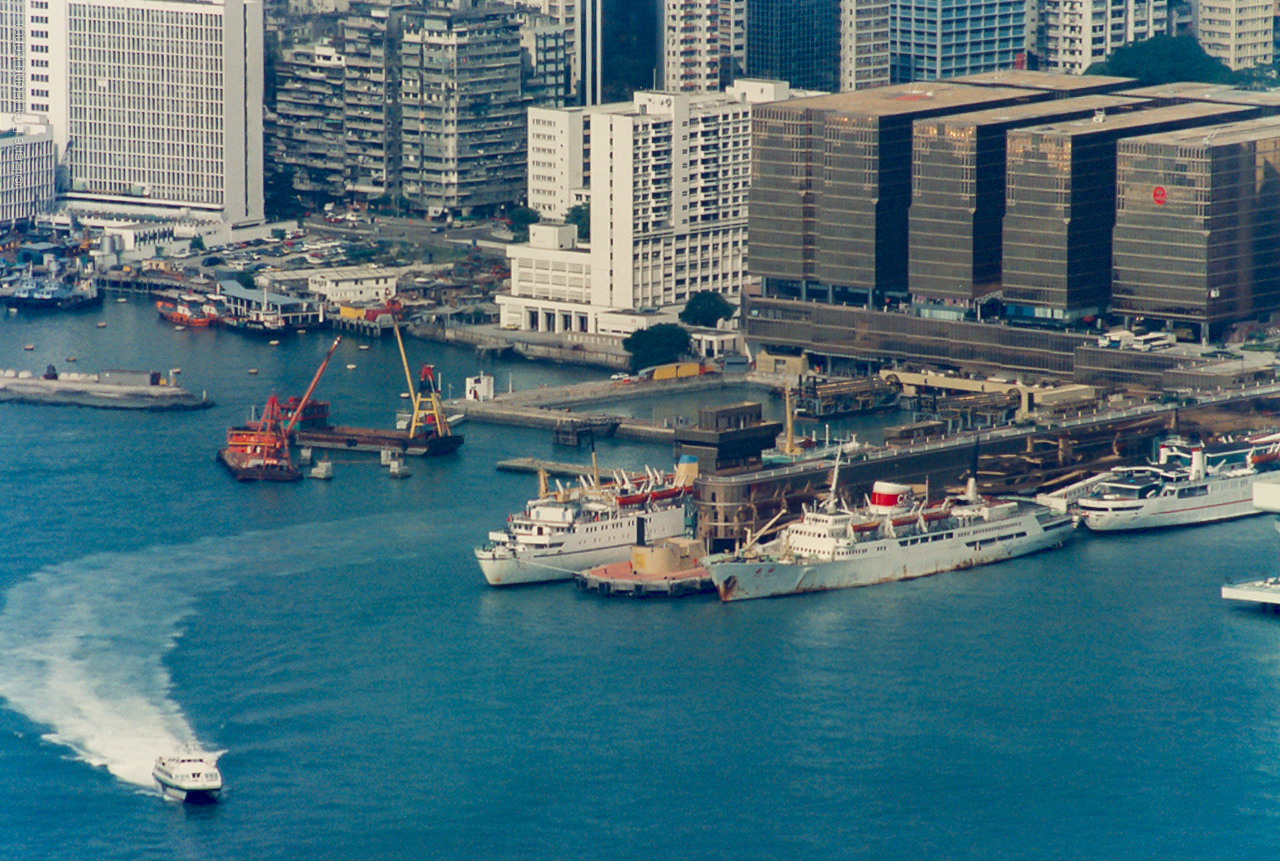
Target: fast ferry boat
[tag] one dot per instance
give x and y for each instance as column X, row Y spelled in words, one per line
column 573, row 529
column 190, row 777
column 1187, row 485
column 894, row 536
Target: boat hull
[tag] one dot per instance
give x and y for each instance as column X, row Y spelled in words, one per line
column 888, row 560
column 1223, row 499
column 254, row 469
column 188, row 796
column 504, row 565
column 366, row 439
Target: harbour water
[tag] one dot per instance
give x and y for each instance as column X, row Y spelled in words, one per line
column 378, row 701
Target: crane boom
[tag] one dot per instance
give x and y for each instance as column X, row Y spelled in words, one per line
column 297, row 413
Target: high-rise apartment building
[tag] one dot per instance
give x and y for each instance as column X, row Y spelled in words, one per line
column 864, row 44
column 797, row 41
column 1197, row 236
column 370, row 114
column 932, row 40
column 462, row 107
column 703, row 44
column 311, row 82
column 668, row 176
column 1075, row 34
column 583, row 26
column 155, row 105
column 691, row 49
column 1240, row 33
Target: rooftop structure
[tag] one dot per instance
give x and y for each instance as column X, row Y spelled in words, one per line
column 1062, row 85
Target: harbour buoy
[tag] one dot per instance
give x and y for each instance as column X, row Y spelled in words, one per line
column 102, row 325
column 29, row 346
column 364, row 346
column 253, row 370
column 179, row 328
column 121, row 299
column 351, row 367
column 274, row 343
column 71, row 358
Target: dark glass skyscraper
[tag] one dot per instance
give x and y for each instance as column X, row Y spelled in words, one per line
column 797, row 41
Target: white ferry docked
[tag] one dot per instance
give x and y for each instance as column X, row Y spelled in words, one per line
column 894, row 537
column 574, row 529
column 1185, row 487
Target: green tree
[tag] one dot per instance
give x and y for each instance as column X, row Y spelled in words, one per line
column 521, row 218
column 580, row 216
column 706, row 309
column 657, row 345
column 1163, row 60
column 197, row 243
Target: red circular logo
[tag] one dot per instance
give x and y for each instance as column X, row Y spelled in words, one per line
column 1158, row 195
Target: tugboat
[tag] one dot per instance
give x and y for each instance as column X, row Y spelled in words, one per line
column 259, row 451
column 185, row 311
column 190, row 777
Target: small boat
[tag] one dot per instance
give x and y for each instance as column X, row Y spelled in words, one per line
column 28, row 347
column 186, row 310
column 190, row 777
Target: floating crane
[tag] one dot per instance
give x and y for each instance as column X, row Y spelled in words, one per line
column 259, row 451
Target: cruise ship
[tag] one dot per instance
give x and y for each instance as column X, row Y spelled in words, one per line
column 1188, row 484
column 572, row 529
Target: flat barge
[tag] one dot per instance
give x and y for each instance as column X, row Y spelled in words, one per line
column 113, row 390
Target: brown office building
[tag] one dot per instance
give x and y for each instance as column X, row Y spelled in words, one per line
column 1060, row 206
column 1197, row 236
column 958, row 186
column 831, row 187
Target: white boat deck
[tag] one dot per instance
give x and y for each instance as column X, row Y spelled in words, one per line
column 1257, row 592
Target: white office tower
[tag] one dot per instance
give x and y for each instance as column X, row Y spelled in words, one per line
column 13, row 16
column 1075, row 34
column 156, row 105
column 864, row 44
column 1237, row 32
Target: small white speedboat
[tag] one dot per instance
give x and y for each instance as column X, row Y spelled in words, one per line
column 190, row 777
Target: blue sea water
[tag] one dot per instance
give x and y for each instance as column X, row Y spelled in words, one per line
column 376, row 700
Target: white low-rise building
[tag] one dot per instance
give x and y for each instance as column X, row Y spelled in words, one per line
column 353, row 284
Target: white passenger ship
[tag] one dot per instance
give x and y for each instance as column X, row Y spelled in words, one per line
column 573, row 529
column 191, row 777
column 1188, row 485
column 894, row 537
